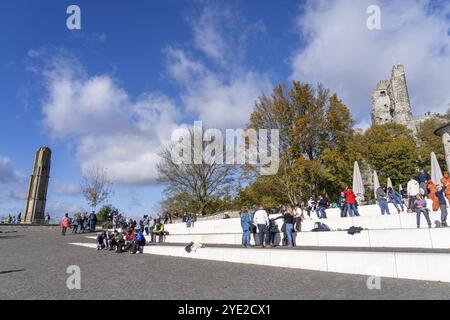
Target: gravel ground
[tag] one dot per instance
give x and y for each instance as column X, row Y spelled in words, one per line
column 33, row 266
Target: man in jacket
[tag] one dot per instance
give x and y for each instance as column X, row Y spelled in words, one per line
column 396, row 199
column 246, row 224
column 412, row 190
column 92, row 221
column 382, row 201
column 261, row 220
column 423, row 181
column 442, row 204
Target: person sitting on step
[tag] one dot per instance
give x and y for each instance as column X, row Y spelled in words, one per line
column 421, row 207
column 102, row 241
column 159, row 231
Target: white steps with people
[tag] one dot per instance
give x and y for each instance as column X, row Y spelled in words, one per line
column 388, row 246
column 422, row 265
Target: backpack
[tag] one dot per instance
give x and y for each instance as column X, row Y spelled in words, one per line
column 352, row 230
column 188, row 248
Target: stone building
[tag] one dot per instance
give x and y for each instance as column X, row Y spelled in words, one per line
column 390, row 100
column 37, row 189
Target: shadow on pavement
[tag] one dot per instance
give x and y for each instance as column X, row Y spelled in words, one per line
column 11, row 271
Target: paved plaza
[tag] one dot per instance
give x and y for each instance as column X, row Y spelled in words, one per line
column 33, row 265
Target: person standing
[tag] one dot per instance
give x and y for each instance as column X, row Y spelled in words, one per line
column 151, row 227
column 382, row 201
column 261, row 220
column 246, row 224
column 92, row 221
column 412, row 191
column 193, row 219
column 442, row 204
column 350, row 201
column 273, row 231
column 343, row 205
column 423, row 181
column 298, row 217
column 289, row 225
column 323, row 204
column 65, row 223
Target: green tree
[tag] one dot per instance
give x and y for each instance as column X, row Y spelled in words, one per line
column 391, row 150
column 105, row 212
column 428, row 142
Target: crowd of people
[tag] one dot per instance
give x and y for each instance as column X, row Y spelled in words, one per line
column 411, row 200
column 189, row 219
column 258, row 222
column 132, row 234
column 12, row 219
column 127, row 235
column 79, row 223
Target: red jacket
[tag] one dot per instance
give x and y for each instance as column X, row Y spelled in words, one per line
column 65, row 223
column 350, row 197
column 130, row 237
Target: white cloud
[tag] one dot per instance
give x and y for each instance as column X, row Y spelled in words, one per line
column 216, row 101
column 64, row 188
column 7, row 172
column 57, row 209
column 220, row 91
column 108, row 127
column 350, row 59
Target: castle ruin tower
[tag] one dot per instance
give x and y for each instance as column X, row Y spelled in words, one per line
column 382, row 108
column 37, row 190
column 390, row 100
column 400, row 96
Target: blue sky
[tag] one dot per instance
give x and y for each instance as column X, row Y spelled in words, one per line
column 112, row 92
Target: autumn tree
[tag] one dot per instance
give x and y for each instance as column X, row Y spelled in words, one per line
column 315, row 129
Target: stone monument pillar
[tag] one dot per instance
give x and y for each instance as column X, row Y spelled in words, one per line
column 37, row 190
column 444, row 133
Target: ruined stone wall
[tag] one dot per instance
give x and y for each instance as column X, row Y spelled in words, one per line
column 400, row 97
column 390, row 100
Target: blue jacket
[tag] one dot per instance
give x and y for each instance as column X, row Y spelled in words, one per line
column 441, row 196
column 395, row 197
column 246, row 221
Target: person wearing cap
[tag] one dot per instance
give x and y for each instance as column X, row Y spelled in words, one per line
column 440, row 194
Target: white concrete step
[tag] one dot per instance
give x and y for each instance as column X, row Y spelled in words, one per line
column 394, row 221
column 438, row 238
column 394, row 264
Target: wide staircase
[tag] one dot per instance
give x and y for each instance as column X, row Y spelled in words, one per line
column 388, row 246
